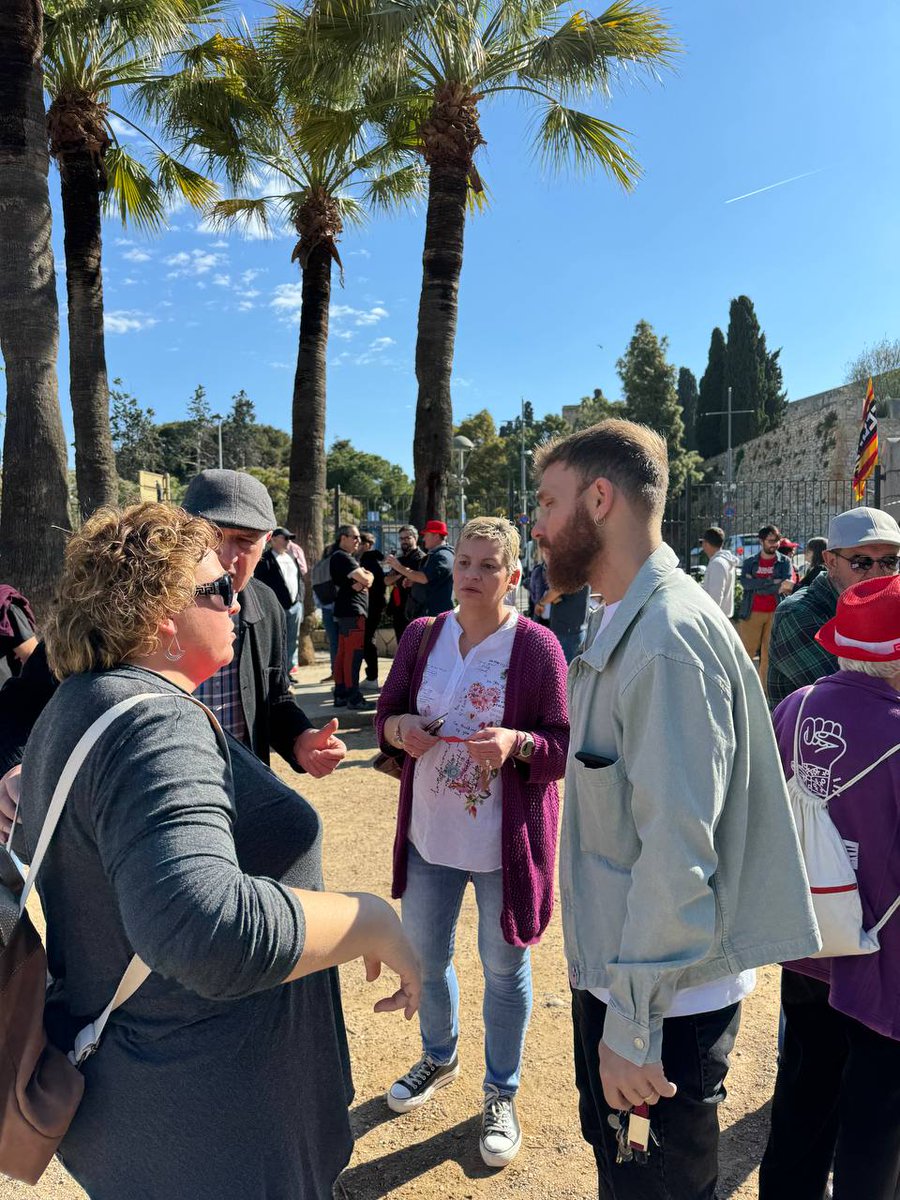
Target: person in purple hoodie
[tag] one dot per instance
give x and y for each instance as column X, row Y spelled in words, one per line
column 837, row 1093
column 479, row 803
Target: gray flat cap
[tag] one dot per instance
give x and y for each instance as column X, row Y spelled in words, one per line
column 860, row 526
column 230, row 499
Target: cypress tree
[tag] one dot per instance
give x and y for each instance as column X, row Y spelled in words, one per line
column 774, row 394
column 744, row 373
column 711, row 398
column 687, row 398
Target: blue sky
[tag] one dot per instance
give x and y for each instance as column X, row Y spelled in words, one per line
column 559, row 270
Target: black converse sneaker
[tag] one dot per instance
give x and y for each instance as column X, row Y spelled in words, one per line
column 420, row 1083
column 501, row 1136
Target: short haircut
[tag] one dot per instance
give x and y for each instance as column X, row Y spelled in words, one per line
column 715, row 536
column 345, row 531
column 632, row 457
column 494, row 529
column 408, row 529
column 125, row 571
column 767, row 531
column 366, row 535
column 878, row 670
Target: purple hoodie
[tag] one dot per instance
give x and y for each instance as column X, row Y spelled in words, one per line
column 866, row 713
column 535, row 703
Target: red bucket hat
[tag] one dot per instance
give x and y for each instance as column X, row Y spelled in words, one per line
column 435, row 527
column 867, row 624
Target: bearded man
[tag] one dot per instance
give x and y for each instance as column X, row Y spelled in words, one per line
column 680, row 870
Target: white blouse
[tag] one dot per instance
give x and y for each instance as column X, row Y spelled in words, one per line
column 456, row 814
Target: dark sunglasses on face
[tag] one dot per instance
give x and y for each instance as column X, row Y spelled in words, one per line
column 862, row 562
column 223, row 586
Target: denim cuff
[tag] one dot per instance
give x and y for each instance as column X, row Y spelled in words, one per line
column 631, row 1039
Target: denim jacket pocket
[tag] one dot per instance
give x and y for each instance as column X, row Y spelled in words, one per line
column 605, row 822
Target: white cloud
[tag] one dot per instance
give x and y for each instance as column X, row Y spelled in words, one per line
column 197, row 262
column 137, row 256
column 124, row 242
column 280, row 366
column 286, row 300
column 372, row 316
column 129, row 281
column 222, row 280
column 361, row 253
column 127, row 321
column 246, row 305
column 382, row 343
column 374, row 353
column 120, row 128
column 251, row 274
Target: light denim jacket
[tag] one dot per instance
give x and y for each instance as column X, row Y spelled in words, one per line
column 679, row 864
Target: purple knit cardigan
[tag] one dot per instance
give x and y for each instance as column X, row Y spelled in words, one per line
column 535, row 703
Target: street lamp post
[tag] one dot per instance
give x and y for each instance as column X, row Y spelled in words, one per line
column 463, row 447
column 219, row 418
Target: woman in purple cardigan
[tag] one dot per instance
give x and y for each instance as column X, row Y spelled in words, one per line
column 478, row 802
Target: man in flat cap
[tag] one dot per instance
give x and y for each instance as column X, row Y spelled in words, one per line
column 251, row 695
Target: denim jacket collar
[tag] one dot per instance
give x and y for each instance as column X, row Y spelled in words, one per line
column 661, row 563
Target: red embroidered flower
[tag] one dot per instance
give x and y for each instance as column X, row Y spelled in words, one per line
column 481, row 697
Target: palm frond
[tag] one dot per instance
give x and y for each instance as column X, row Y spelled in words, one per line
column 176, row 178
column 351, row 211
column 131, row 192
column 567, row 137
column 244, row 212
column 397, row 189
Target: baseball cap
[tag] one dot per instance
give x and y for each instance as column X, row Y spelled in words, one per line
column 280, row 531
column 435, row 527
column 859, row 526
column 231, row 499
column 865, row 627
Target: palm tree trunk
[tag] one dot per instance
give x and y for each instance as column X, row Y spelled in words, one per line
column 441, row 264
column 95, row 463
column 34, row 514
column 306, row 491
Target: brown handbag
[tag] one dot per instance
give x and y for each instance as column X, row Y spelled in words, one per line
column 390, row 762
column 40, row 1086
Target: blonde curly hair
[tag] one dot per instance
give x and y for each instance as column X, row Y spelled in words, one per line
column 125, row 571
column 499, row 530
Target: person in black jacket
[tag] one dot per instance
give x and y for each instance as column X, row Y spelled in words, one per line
column 372, row 560
column 279, row 570
column 251, row 696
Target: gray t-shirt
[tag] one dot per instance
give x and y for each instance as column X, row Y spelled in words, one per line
column 214, row 1080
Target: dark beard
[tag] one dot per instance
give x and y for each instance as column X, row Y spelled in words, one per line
column 573, row 552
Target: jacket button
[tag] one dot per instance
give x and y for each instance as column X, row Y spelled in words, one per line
column 638, row 1043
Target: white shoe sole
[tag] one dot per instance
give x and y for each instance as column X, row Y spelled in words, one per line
column 500, row 1160
column 395, row 1104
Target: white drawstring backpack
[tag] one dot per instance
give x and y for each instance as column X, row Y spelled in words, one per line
column 832, row 879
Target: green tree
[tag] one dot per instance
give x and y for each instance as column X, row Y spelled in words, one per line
column 202, row 430
column 93, row 53
column 879, row 362
column 135, row 437
column 369, row 477
column 744, row 373
column 711, row 398
column 239, row 430
column 427, row 66
column 595, row 408
column 774, row 394
column 648, row 385
column 487, row 468
column 687, row 399
column 33, row 519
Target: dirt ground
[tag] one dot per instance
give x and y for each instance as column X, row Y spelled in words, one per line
column 434, row 1153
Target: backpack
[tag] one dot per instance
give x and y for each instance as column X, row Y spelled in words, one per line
column 323, row 586
column 41, row 1086
column 832, row 878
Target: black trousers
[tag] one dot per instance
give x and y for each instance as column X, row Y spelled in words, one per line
column 837, row 1097
column 370, row 650
column 685, row 1164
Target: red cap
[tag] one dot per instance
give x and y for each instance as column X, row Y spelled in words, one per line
column 435, row 527
column 867, row 624
column 787, row 544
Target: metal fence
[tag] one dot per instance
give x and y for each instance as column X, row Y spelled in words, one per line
column 800, row 508
column 384, row 515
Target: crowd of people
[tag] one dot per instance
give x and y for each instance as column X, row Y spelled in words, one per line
column 685, row 855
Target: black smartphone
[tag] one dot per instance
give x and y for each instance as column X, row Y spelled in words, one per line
column 433, row 726
column 593, row 762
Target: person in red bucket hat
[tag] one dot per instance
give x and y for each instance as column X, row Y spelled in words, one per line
column 837, row 1093
column 432, row 585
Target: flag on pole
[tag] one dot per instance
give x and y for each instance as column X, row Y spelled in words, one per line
column 867, row 454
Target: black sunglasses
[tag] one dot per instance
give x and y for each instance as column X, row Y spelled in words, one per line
column 862, row 562
column 223, row 586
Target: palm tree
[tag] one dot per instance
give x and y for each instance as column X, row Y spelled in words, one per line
column 35, row 493
column 428, row 65
column 253, row 124
column 93, row 52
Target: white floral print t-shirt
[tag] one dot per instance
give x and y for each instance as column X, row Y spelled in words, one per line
column 456, row 810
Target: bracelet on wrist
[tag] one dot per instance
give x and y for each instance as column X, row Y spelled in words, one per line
column 398, row 734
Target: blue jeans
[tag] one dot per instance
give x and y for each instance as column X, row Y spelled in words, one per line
column 572, row 643
column 431, row 905
column 293, row 616
column 331, row 631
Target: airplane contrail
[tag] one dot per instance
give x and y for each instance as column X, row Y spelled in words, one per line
column 780, row 183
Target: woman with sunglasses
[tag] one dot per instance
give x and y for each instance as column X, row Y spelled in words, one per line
column 479, row 709
column 226, row 1073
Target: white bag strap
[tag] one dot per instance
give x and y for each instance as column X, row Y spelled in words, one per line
column 137, row 971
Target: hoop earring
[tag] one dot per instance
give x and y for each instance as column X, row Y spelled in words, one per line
column 174, row 652
column 600, row 522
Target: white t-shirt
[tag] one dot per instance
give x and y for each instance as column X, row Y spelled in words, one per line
column 288, row 566
column 456, row 820
column 705, row 997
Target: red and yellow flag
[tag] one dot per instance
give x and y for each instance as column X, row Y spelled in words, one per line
column 867, row 454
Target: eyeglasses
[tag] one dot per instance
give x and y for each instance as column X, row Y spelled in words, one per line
column 862, row 562
column 223, row 586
